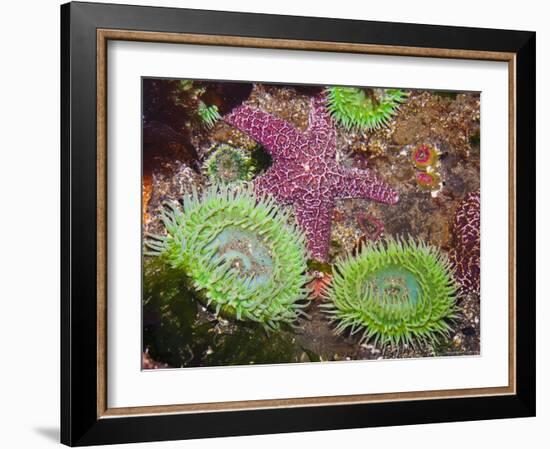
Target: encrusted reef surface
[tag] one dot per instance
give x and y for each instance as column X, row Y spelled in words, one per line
column 180, row 329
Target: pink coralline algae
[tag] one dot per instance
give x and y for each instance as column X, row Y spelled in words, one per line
column 305, row 172
column 465, row 256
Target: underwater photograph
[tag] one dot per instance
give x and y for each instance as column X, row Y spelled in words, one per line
column 304, row 223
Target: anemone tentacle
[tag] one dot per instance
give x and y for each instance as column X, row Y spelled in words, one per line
column 208, row 115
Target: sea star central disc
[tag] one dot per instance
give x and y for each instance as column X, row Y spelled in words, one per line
column 305, row 172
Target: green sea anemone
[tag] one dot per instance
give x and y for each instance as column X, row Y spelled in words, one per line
column 208, row 115
column 227, row 164
column 240, row 252
column 393, row 291
column 363, row 108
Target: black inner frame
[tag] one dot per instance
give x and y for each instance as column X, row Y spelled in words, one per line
column 79, row 422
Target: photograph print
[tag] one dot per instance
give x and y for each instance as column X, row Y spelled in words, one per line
column 305, row 223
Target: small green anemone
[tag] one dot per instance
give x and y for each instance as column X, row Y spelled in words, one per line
column 363, row 108
column 393, row 291
column 241, row 253
column 208, row 115
column 227, row 164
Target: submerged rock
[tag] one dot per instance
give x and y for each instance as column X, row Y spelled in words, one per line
column 168, row 183
column 180, row 332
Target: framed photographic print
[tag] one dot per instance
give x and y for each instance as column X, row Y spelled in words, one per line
column 278, row 224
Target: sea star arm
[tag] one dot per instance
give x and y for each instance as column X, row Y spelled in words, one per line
column 355, row 183
column 314, row 218
column 274, row 183
column 320, row 125
column 278, row 137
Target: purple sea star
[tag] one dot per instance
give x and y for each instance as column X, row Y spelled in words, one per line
column 305, row 172
column 465, row 256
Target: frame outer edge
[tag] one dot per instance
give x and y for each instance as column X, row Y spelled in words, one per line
column 65, row 334
column 79, row 212
column 80, row 425
column 526, row 209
